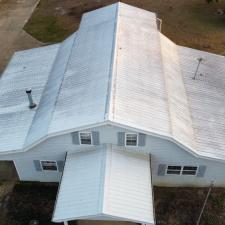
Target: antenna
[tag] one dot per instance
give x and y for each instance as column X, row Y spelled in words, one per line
column 196, row 72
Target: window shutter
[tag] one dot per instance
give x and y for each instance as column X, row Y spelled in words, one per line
column 201, row 171
column 75, row 138
column 161, row 169
column 121, row 138
column 95, row 137
column 37, row 165
column 60, row 165
column 141, row 139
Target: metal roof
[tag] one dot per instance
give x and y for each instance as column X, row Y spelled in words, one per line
column 206, row 96
column 116, row 68
column 101, row 184
column 27, row 69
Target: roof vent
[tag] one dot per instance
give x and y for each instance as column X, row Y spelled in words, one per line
column 196, row 71
column 31, row 102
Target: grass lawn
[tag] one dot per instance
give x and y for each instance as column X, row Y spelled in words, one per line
column 191, row 23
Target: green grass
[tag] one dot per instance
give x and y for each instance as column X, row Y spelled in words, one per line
column 47, row 29
column 190, row 23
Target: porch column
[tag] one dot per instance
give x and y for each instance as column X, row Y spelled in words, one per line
column 65, row 222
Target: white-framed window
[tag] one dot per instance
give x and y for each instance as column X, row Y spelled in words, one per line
column 49, row 165
column 85, row 138
column 189, row 170
column 131, row 139
column 175, row 170
column 181, row 170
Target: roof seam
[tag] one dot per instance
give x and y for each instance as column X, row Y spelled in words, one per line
column 42, row 95
column 187, row 98
column 165, row 85
column 60, row 87
column 102, row 184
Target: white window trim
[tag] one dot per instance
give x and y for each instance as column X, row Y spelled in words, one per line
column 190, row 170
column 181, row 171
column 126, row 140
column 46, row 160
column 85, row 133
column 174, row 170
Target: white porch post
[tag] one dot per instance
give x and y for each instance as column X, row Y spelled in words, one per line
column 65, row 222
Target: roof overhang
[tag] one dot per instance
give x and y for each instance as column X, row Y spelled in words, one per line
column 106, row 184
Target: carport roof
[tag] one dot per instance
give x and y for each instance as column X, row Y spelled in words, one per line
column 106, row 183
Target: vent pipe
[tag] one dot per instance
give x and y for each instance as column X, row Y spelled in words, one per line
column 31, row 102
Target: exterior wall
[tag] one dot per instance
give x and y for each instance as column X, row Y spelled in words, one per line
column 162, row 152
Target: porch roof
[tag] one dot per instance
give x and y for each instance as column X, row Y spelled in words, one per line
column 106, row 184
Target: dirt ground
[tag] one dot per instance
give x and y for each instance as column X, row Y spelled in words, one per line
column 8, row 171
column 191, row 23
column 182, row 206
column 28, row 201
column 13, row 16
column 85, row 222
column 25, row 201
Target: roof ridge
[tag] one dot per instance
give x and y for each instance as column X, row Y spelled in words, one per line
column 174, row 121
column 74, row 40
column 27, row 142
column 111, row 72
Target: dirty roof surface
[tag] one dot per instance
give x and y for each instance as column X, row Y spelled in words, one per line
column 117, row 67
column 27, row 69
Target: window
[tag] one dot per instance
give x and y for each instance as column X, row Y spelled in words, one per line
column 131, row 139
column 49, row 165
column 173, row 170
column 189, row 170
column 182, row 170
column 85, row 138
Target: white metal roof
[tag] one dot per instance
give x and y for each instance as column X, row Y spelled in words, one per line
column 116, row 68
column 27, row 69
column 105, row 184
column 82, row 98
column 46, row 107
column 206, row 97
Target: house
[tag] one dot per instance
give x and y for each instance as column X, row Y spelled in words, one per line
column 113, row 110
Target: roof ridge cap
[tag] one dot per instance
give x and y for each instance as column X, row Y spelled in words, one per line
column 110, row 90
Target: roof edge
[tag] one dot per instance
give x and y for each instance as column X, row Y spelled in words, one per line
column 172, row 139
column 109, row 122
column 51, row 135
